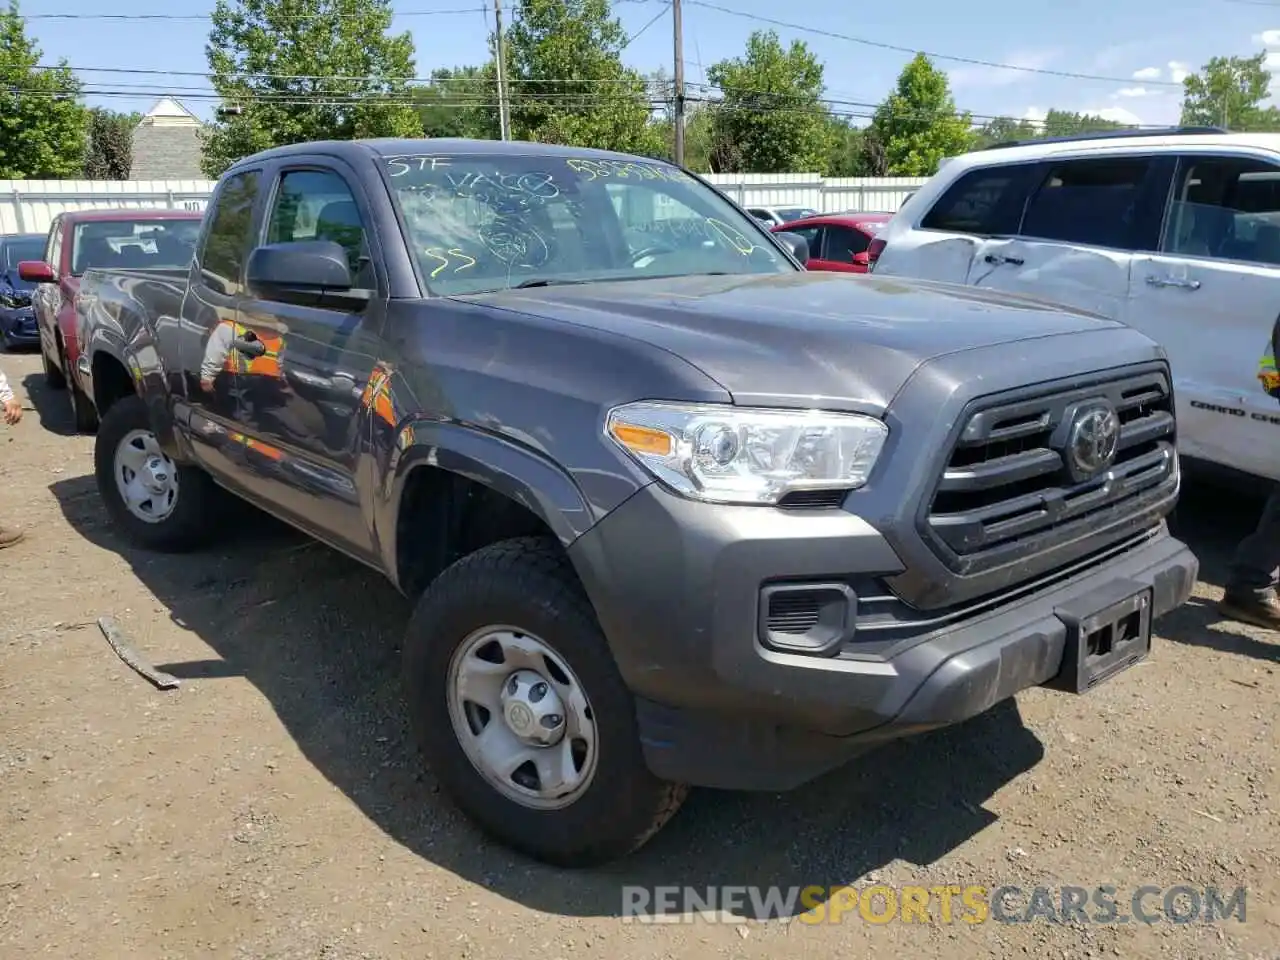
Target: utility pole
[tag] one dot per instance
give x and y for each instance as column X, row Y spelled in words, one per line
column 678, row 31
column 500, row 61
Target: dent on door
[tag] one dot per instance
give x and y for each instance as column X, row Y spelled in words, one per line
column 1087, row 278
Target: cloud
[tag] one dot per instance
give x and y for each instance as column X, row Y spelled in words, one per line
column 1034, row 114
column 1178, row 71
column 1147, row 73
column 1267, row 38
column 1272, row 62
column 1117, row 115
column 1132, row 92
column 974, row 77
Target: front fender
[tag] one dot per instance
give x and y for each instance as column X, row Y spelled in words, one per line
column 521, row 474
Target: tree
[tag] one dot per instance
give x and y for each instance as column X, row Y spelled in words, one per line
column 1064, row 123
column 42, row 122
column 918, row 124
column 110, row 152
column 1004, row 129
column 295, row 70
column 847, row 155
column 771, row 106
column 1229, row 92
column 567, row 81
column 461, row 102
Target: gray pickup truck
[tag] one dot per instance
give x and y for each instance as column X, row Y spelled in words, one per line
column 675, row 510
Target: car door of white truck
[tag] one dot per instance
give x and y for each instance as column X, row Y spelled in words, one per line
column 1084, row 217
column 1211, row 296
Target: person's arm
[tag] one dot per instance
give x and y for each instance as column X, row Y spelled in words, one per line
column 215, row 352
column 6, row 391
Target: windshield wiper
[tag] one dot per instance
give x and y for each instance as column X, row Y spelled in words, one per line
column 542, row 282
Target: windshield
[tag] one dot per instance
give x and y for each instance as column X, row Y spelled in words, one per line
column 133, row 244
column 15, row 251
column 795, row 213
column 482, row 223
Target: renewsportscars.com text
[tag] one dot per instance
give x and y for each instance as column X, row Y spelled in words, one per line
column 956, row 903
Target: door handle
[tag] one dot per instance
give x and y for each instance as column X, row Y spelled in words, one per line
column 996, row 259
column 1171, row 282
column 253, row 348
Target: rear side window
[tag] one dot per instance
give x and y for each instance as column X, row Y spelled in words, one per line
column 986, row 201
column 1092, row 202
column 844, row 242
column 230, row 223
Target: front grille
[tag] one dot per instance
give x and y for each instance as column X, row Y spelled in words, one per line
column 1006, row 490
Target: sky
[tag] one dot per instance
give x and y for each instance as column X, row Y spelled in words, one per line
column 1138, row 50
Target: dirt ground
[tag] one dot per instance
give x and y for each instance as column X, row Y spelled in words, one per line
column 273, row 807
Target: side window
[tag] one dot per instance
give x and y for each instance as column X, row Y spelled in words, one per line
column 318, row 205
column 227, row 242
column 1091, row 202
column 844, row 242
column 813, row 237
column 1226, row 208
column 986, row 201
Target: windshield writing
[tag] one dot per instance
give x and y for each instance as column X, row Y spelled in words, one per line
column 482, row 223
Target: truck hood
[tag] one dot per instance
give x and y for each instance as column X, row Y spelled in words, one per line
column 805, row 338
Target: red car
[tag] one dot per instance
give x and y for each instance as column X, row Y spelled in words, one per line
column 77, row 241
column 838, row 241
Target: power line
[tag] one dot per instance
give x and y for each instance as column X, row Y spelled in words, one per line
column 654, row 19
column 206, row 16
column 879, row 45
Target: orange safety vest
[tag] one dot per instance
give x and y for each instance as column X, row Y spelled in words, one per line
column 377, row 396
column 268, row 451
column 267, row 365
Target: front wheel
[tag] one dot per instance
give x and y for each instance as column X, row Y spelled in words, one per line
column 160, row 505
column 522, row 714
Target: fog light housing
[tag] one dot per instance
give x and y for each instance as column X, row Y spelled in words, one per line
column 811, row 618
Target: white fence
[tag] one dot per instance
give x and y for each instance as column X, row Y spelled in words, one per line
column 836, row 195
column 28, row 206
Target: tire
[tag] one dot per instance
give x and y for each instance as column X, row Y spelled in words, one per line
column 83, row 414
column 528, row 584
column 183, row 523
column 53, row 378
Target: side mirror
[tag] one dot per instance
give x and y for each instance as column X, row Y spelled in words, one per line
column 302, row 271
column 861, row 259
column 36, row 271
column 797, row 245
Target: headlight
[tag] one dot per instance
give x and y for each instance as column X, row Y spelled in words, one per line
column 726, row 454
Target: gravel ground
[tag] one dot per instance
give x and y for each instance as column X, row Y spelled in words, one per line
column 272, row 806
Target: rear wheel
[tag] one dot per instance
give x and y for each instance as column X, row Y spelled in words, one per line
column 82, row 411
column 522, row 714
column 53, row 378
column 160, row 504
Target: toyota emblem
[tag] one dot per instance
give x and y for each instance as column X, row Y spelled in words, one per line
column 1092, row 441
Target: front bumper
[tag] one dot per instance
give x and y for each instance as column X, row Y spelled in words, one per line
column 18, row 328
column 677, row 585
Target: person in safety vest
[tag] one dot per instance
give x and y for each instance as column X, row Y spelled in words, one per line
column 219, row 355
column 1251, row 594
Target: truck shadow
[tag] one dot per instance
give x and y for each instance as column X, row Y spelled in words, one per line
column 53, row 407
column 318, row 636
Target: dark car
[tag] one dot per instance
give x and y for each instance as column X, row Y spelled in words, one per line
column 673, row 509
column 17, row 319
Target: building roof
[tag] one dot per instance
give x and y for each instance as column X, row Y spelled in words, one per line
column 166, row 144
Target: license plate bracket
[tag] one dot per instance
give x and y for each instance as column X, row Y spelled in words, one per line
column 1106, row 634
